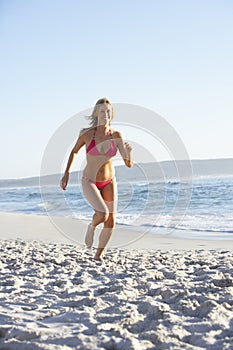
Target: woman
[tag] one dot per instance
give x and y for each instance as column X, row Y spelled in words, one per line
column 98, row 181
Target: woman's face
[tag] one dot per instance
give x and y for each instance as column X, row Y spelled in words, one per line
column 104, row 114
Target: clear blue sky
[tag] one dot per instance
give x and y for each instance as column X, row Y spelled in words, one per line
column 59, row 56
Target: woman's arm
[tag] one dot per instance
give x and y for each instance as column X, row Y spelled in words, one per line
column 125, row 150
column 79, row 143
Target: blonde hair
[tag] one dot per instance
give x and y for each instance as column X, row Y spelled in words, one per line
column 93, row 117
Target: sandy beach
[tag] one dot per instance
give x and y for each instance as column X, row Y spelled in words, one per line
column 150, row 292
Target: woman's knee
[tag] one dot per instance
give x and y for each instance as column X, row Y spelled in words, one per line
column 102, row 216
column 110, row 222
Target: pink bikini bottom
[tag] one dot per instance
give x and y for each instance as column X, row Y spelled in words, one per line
column 99, row 184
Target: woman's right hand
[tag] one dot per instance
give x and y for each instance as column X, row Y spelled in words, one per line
column 64, row 181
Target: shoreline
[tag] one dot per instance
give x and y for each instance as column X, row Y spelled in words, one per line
column 72, row 231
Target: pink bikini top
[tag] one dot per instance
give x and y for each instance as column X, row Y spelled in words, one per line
column 93, row 151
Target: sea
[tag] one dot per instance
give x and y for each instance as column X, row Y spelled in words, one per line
column 202, row 208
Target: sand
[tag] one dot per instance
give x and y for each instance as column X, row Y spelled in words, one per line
column 53, row 295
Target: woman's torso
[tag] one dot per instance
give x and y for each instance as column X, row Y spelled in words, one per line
column 99, row 155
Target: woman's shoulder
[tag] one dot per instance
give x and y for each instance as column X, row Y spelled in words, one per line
column 116, row 134
column 86, row 132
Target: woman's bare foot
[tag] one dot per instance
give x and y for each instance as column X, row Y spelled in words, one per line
column 97, row 258
column 89, row 236
column 98, row 254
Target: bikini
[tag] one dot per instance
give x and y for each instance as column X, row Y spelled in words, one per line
column 92, row 150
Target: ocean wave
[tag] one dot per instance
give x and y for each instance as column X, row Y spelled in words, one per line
column 142, row 205
column 201, row 223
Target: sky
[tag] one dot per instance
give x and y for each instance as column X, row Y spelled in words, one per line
column 58, row 57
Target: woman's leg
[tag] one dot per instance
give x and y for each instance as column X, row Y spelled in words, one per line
column 94, row 197
column 109, row 195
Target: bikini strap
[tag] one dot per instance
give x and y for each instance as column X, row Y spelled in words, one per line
column 93, row 137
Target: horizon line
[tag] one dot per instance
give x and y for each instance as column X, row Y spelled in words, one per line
column 117, row 166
